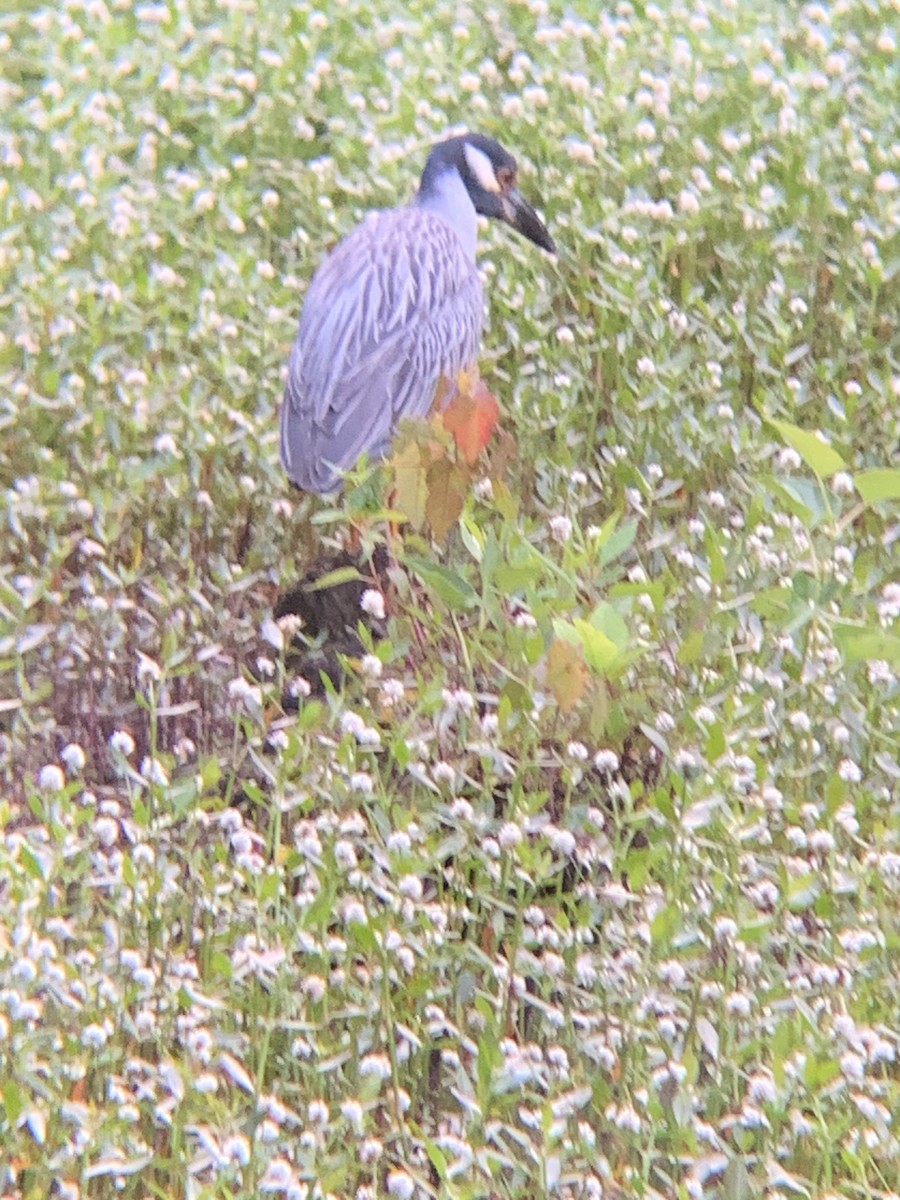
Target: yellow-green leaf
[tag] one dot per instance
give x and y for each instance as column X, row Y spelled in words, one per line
column 818, row 455
column 411, row 483
column 600, row 651
column 880, row 483
column 566, row 674
column 448, row 486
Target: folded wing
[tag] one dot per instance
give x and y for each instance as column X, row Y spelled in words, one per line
column 397, row 305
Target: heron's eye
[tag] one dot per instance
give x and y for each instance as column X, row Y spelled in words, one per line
column 506, row 177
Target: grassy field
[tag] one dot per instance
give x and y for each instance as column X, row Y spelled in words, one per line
column 583, row 879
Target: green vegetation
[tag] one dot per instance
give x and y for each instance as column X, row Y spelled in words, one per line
column 586, row 880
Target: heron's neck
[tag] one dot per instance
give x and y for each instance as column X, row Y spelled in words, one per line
column 445, row 194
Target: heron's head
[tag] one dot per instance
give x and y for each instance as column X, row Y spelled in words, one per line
column 490, row 176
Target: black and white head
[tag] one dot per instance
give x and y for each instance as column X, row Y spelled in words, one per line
column 489, row 174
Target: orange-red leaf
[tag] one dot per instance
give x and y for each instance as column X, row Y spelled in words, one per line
column 471, row 417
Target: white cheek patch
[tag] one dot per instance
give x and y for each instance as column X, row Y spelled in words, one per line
column 481, row 167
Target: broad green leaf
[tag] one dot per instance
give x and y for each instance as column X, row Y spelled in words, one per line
column 818, row 455
column 618, row 542
column 566, row 632
column 804, row 498
column 610, row 621
column 411, row 484
column 880, row 483
column 600, row 651
column 452, row 588
column 865, row 644
column 512, row 577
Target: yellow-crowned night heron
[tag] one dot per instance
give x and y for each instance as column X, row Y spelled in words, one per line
column 394, row 308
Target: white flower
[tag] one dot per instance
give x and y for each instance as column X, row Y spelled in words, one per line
column 352, row 1111
column 279, row 1176
column 563, row 842
column 443, row 772
column 392, row 691
column 51, row 778
column 510, row 835
column 401, row 1185
column 842, row 483
column 353, row 723
column 154, row 772
column 606, row 762
column 581, row 151
column 371, row 666
column 73, row 757
column 121, row 742
column 372, row 602
column 849, row 771
column 886, row 182
column 245, row 693
column 560, row 529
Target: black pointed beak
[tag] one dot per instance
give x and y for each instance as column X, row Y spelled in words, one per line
column 517, row 212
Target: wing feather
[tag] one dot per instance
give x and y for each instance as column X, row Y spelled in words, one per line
column 394, row 307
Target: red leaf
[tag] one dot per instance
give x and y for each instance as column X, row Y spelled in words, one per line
column 471, row 418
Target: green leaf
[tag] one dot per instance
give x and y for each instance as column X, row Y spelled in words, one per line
column 608, row 620
column 880, row 483
column 818, row 455
column 618, row 542
column 865, row 644
column 472, row 537
column 452, row 588
column 600, row 651
column 736, row 1181
column 607, row 529
column 512, row 577
column 691, row 648
column 410, row 481
column 804, row 499
column 12, row 1102
column 334, row 579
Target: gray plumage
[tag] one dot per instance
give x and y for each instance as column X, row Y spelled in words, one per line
column 395, row 307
